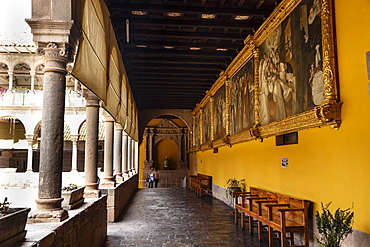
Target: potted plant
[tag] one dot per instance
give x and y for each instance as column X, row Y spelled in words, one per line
column 12, row 224
column 73, row 196
column 234, row 185
column 333, row 228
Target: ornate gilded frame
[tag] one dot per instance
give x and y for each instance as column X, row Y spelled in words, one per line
column 328, row 113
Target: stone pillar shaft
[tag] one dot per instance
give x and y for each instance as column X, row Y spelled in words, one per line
column 74, row 152
column 137, row 157
column 30, row 152
column 33, row 77
column 52, row 129
column 129, row 154
column 10, row 74
column 108, row 150
column 118, row 152
column 124, row 152
column 91, row 145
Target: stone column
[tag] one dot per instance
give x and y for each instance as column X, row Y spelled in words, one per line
column 108, row 179
column 129, row 155
column 52, row 136
column 33, row 77
column 117, row 154
column 91, row 145
column 30, row 140
column 52, row 30
column 10, row 74
column 74, row 139
column 145, row 141
column 124, row 154
column 151, row 137
column 76, row 85
column 133, row 156
column 137, row 157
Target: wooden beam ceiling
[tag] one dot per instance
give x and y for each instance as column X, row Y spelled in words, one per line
column 174, row 53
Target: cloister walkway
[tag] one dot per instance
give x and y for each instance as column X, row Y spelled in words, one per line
column 171, row 217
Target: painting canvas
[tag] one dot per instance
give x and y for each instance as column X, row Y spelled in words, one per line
column 196, row 133
column 206, row 121
column 290, row 68
column 219, row 106
column 241, row 91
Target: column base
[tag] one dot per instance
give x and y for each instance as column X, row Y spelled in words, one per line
column 47, row 216
column 108, row 179
column 109, row 184
column 92, row 194
column 119, row 179
column 74, row 170
column 29, row 171
column 125, row 175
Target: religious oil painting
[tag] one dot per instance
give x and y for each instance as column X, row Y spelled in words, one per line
column 290, row 67
column 241, row 91
column 196, row 133
column 206, row 123
column 219, row 106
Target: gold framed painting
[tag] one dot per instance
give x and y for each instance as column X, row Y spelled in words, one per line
column 284, row 79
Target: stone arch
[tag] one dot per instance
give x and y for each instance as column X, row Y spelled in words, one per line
column 4, row 67
column 22, row 75
column 146, row 115
column 11, row 127
column 39, row 66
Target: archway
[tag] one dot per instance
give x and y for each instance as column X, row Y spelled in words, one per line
column 165, row 135
column 166, row 148
column 13, row 143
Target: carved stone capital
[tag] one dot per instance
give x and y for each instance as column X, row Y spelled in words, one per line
column 30, row 138
column 91, row 99
column 74, row 138
column 56, row 56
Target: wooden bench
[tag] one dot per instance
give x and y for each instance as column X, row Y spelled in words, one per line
column 282, row 213
column 201, row 184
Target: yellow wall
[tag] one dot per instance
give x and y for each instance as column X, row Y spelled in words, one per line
column 327, row 165
column 165, row 148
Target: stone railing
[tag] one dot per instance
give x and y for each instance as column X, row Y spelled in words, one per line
column 86, row 226
column 119, row 196
column 22, row 97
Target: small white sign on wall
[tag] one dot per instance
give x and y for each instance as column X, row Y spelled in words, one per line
column 284, row 162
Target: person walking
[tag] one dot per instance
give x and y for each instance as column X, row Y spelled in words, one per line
column 156, row 177
column 151, row 177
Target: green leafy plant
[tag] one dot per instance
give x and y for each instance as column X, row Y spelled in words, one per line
column 333, row 228
column 70, row 187
column 4, row 206
column 234, row 185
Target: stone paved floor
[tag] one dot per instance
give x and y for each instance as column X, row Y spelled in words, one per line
column 177, row 217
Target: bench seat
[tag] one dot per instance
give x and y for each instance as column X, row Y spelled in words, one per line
column 278, row 212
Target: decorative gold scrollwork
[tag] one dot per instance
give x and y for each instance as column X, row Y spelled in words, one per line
column 226, row 140
column 256, row 133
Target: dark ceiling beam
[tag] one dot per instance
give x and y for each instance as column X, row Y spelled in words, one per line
column 151, row 76
column 173, row 72
column 164, row 81
column 165, row 52
column 184, row 60
column 192, row 35
column 178, row 86
column 134, row 66
column 116, row 6
column 230, row 46
column 138, row 21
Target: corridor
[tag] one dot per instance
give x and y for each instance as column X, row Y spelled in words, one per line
column 177, row 217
